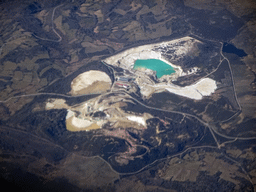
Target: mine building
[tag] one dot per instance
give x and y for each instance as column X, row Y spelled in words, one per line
column 125, row 79
column 123, row 85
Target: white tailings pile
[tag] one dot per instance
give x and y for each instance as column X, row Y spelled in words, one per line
column 80, row 123
column 86, row 79
column 204, row 87
column 77, row 122
column 137, row 119
column 70, row 114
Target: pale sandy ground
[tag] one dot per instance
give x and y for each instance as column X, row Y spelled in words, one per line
column 204, row 87
column 56, row 104
column 77, row 124
column 86, row 79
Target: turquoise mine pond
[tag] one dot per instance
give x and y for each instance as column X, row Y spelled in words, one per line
column 157, row 65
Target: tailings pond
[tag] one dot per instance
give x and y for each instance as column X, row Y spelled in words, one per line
column 157, row 65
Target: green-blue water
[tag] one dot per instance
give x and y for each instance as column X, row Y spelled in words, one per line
column 159, row 66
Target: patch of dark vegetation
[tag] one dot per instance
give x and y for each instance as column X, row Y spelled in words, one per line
column 16, row 178
column 179, row 26
column 99, row 114
column 149, row 18
column 219, row 25
column 178, row 135
column 149, row 3
column 164, row 99
column 33, row 8
column 52, row 74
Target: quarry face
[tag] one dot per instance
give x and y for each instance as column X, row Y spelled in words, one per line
column 146, row 79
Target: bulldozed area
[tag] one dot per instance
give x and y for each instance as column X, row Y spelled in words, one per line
column 97, row 112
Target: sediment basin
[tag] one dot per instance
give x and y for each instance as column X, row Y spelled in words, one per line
column 157, row 65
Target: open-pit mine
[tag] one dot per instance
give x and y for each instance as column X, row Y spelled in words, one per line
column 141, row 81
column 128, row 95
column 147, row 79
